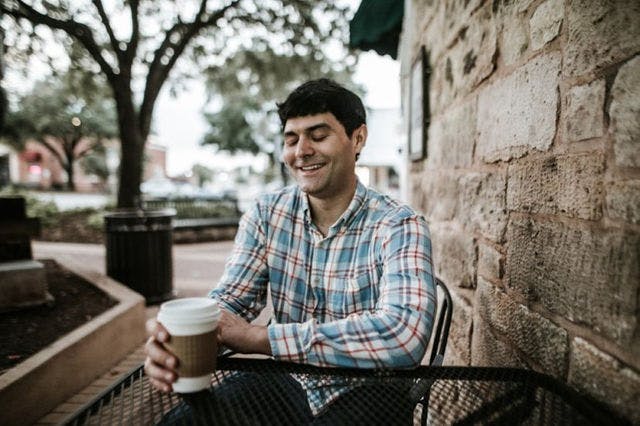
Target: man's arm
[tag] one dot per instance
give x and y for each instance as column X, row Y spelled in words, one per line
column 395, row 334
column 242, row 289
column 242, row 337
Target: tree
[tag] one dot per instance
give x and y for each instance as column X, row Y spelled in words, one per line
column 95, row 163
column 202, row 173
column 136, row 46
column 66, row 124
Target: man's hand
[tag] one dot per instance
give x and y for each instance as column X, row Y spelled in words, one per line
column 160, row 365
column 242, row 337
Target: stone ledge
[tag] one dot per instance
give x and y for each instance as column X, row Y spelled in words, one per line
column 43, row 381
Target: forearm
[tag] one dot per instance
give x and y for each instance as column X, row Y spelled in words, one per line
column 243, row 337
column 380, row 339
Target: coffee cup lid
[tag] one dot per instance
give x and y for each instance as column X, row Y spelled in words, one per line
column 189, row 310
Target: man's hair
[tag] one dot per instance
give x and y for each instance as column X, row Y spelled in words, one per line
column 324, row 95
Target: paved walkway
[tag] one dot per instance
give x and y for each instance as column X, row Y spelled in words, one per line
column 197, row 268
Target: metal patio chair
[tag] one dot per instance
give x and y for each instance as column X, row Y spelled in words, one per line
column 422, row 388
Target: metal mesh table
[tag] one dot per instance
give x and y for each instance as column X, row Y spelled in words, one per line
column 454, row 395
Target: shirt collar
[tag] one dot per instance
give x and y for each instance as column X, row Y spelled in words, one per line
column 356, row 203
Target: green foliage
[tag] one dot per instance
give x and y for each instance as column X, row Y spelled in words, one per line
column 95, row 218
column 55, row 110
column 46, row 211
column 230, row 130
column 67, row 124
column 203, row 174
column 95, row 163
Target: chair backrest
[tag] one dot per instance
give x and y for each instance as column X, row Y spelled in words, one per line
column 443, row 323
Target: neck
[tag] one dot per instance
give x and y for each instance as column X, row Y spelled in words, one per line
column 326, row 211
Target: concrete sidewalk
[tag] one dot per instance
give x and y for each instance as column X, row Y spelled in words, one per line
column 196, row 267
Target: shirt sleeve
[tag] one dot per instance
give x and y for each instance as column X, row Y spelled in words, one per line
column 243, row 286
column 396, row 333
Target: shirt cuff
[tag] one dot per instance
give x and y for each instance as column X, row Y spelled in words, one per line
column 287, row 341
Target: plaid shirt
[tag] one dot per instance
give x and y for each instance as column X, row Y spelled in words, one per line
column 363, row 296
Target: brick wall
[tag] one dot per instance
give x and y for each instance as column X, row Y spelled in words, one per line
column 531, row 183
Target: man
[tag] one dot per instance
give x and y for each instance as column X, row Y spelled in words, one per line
column 349, row 270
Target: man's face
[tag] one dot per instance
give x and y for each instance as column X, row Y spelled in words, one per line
column 320, row 155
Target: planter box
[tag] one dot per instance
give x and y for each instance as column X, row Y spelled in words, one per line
column 36, row 386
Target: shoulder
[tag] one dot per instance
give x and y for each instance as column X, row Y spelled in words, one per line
column 285, row 201
column 285, row 197
column 382, row 208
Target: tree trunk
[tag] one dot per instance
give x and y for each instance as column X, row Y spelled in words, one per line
column 131, row 151
column 130, row 172
column 71, row 185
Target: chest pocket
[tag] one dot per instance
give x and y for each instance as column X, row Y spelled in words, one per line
column 351, row 295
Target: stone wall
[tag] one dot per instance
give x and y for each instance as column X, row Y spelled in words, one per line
column 531, row 183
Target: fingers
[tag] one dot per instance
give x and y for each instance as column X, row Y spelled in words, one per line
column 159, row 377
column 157, row 330
column 160, row 364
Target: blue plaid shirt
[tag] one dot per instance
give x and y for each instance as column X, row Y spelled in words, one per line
column 363, row 296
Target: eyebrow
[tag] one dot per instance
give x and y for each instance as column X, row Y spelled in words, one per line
column 309, row 129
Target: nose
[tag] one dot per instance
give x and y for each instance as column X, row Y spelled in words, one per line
column 304, row 147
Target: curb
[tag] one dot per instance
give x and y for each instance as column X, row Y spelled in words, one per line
column 34, row 387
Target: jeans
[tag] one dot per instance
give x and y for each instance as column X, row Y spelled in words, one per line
column 278, row 399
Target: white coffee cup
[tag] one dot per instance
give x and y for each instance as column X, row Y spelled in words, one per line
column 192, row 324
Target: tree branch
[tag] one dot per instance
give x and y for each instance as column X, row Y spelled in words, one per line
column 52, row 149
column 132, row 46
column 79, row 31
column 158, row 72
column 115, row 44
column 85, row 151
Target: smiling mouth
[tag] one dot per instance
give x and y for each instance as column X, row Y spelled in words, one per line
column 311, row 167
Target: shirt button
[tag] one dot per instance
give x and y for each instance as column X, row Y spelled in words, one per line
column 316, row 280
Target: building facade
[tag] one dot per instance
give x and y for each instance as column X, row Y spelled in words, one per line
column 530, row 180
column 37, row 168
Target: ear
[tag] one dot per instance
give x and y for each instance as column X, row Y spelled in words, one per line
column 360, row 137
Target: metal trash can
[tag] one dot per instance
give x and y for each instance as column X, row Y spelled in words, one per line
column 140, row 251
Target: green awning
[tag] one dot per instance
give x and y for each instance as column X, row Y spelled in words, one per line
column 377, row 25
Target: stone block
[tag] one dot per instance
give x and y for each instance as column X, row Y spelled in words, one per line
column 469, row 61
column 488, row 350
column 439, row 195
column 517, row 114
column 589, row 276
column 460, row 333
column 585, row 111
column 454, row 256
column 483, row 203
column 539, row 339
column 432, row 33
column 457, row 17
column 596, row 373
column 623, row 200
column 625, row 113
column 545, row 23
column 514, row 39
column 23, row 283
column 490, row 262
column 570, row 185
column 452, row 137
column 600, row 33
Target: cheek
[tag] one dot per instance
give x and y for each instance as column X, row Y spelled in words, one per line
column 287, row 156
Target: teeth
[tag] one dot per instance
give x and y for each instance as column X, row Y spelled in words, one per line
column 314, row 167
